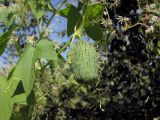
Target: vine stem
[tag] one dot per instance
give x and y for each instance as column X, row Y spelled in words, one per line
column 129, row 27
column 67, row 44
column 61, row 50
column 50, row 20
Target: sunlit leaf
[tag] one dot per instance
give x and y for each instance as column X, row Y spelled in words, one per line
column 6, row 16
column 24, row 71
column 6, row 103
column 45, row 49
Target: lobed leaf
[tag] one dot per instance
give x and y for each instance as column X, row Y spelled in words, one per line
column 73, row 17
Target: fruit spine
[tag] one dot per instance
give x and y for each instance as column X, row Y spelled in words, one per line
column 84, row 62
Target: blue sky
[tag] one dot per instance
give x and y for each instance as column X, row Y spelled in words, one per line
column 59, row 24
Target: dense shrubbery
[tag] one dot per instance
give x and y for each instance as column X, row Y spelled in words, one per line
column 129, row 85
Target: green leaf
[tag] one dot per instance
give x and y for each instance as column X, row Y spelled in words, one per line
column 3, row 41
column 6, row 16
column 80, row 5
column 19, row 95
column 20, row 99
column 6, row 103
column 37, row 9
column 25, row 112
column 94, row 31
column 73, row 17
column 64, row 12
column 24, row 71
column 45, row 49
column 92, row 21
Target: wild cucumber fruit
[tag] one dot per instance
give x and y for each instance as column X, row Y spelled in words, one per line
column 84, row 62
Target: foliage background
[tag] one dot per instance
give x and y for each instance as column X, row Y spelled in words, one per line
column 42, row 84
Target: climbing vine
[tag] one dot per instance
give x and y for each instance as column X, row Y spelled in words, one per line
column 112, row 68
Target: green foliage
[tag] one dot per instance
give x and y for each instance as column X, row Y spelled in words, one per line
column 5, row 101
column 45, row 85
column 38, row 7
column 85, row 62
column 24, row 71
column 73, row 17
column 3, row 41
column 92, row 19
column 6, row 16
column 27, row 61
column 46, row 49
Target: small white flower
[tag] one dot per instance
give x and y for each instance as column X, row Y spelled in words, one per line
column 155, row 19
column 47, row 32
column 13, row 40
column 37, row 66
column 126, row 38
column 123, row 19
column 31, row 39
column 152, row 6
column 150, row 29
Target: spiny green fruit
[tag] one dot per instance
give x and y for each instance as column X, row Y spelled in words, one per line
column 84, row 62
